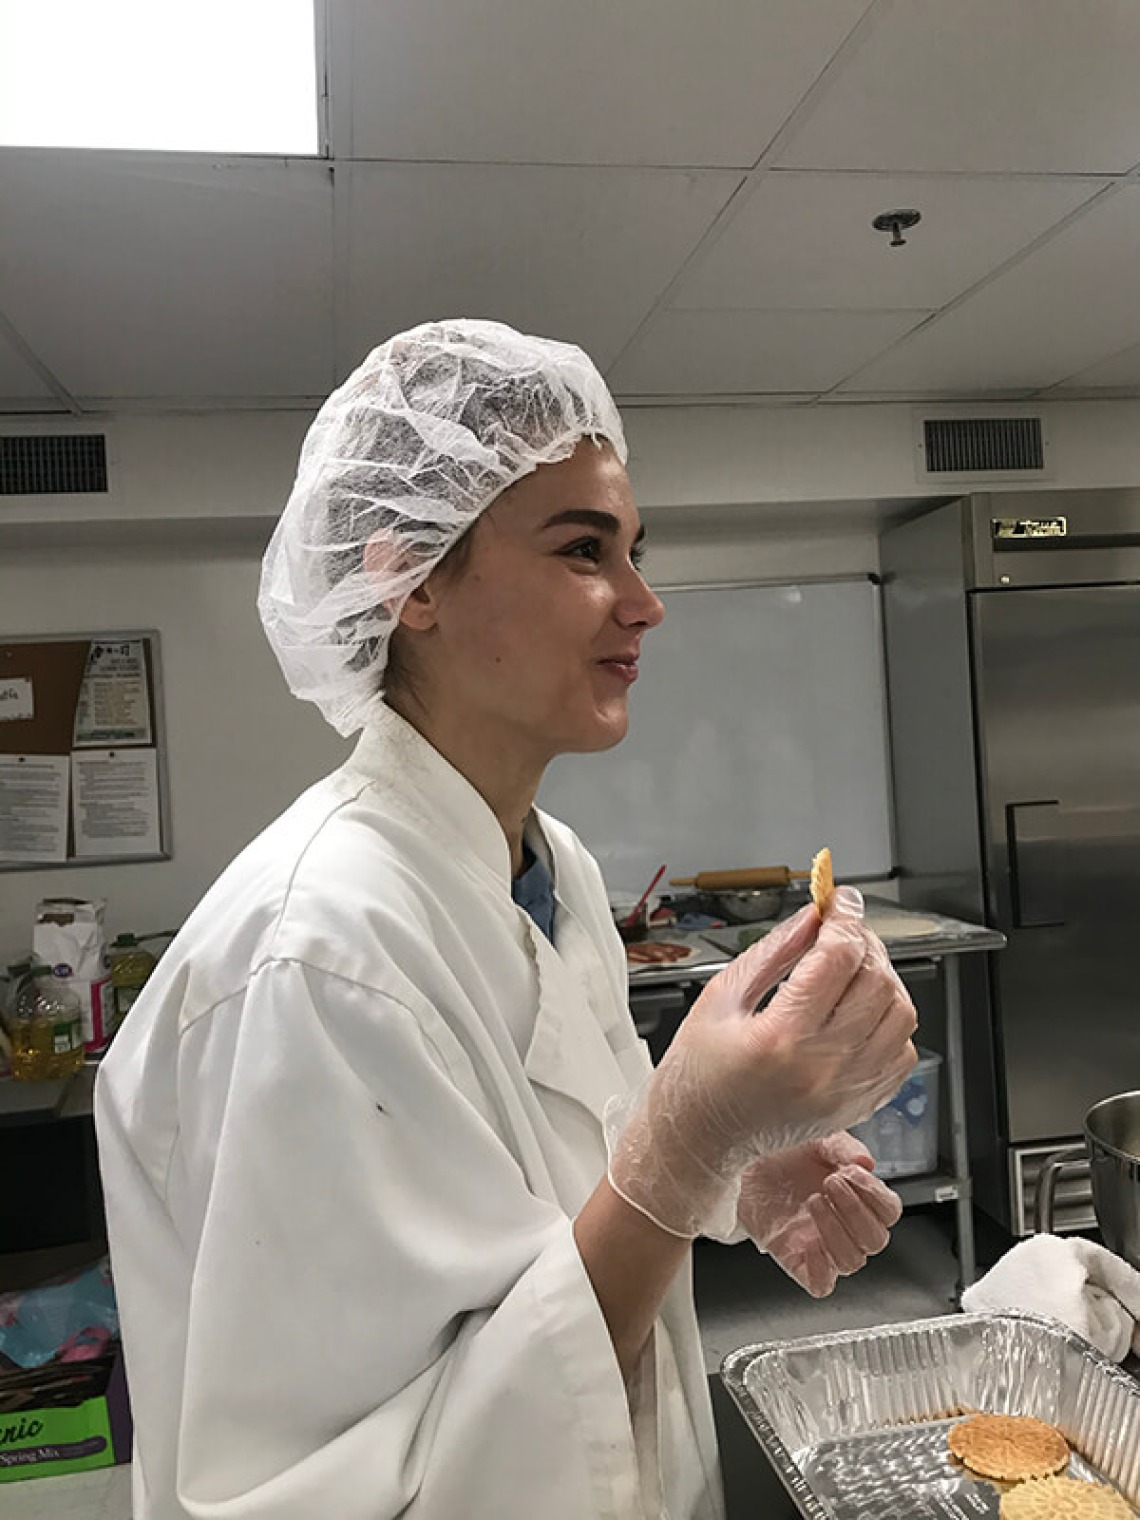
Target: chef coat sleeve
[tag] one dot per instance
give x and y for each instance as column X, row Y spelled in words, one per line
column 383, row 1319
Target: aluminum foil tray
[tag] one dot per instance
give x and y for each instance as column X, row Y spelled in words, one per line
column 855, row 1422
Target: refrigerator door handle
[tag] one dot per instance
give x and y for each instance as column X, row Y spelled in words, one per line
column 1035, row 878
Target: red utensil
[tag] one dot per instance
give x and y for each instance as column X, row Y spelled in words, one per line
column 627, row 923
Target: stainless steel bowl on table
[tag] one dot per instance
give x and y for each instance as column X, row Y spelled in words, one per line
column 745, row 907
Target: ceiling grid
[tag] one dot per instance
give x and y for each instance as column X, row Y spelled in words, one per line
column 686, row 191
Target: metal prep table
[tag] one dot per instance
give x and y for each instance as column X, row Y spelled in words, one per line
column 670, row 988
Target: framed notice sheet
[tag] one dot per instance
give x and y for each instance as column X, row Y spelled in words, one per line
column 82, row 751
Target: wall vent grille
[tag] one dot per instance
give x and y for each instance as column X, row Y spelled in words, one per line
column 53, row 464
column 983, row 445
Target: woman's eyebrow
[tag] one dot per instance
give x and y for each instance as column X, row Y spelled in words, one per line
column 590, row 517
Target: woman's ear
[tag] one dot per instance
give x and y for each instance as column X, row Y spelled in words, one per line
column 387, row 561
column 419, row 611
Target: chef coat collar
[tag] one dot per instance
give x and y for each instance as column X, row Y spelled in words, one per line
column 567, row 1053
column 394, row 754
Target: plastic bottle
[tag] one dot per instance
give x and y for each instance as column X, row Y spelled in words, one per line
column 47, row 1034
column 7, row 1014
column 131, row 965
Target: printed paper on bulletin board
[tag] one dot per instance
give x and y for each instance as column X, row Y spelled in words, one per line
column 82, row 758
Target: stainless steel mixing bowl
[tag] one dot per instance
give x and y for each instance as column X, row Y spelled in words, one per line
column 1112, row 1143
column 745, row 907
column 1112, row 1135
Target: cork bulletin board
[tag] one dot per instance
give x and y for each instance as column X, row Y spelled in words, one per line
column 82, row 751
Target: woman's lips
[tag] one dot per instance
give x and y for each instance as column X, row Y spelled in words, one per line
column 624, row 670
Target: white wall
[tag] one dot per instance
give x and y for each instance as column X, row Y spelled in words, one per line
column 708, row 455
column 240, row 747
column 178, row 465
column 236, row 464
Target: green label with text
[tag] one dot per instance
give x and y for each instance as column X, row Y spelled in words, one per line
column 41, row 1443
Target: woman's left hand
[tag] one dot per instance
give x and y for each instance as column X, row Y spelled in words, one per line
column 818, row 1210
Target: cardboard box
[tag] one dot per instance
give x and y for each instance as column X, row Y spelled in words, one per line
column 45, row 1441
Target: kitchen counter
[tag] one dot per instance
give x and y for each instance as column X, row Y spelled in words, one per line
column 903, row 931
column 23, row 1103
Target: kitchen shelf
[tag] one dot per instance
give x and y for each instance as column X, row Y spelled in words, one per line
column 931, row 1187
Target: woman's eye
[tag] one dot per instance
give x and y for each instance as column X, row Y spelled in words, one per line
column 585, row 548
column 591, row 549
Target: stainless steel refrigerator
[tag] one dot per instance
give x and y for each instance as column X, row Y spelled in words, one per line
column 1012, row 637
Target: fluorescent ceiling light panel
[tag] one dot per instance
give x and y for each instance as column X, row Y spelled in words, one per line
column 198, row 76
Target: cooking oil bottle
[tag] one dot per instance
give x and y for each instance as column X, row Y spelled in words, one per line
column 130, row 967
column 47, row 1035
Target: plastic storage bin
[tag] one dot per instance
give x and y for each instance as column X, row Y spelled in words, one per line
column 903, row 1135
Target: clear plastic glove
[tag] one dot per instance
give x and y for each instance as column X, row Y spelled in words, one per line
column 740, row 1081
column 818, row 1210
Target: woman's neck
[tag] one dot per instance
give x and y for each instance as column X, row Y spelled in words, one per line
column 488, row 757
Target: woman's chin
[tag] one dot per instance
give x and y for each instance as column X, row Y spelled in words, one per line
column 599, row 730
column 610, row 726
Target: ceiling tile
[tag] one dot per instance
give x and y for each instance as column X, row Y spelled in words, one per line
column 1118, row 372
column 984, row 84
column 18, row 380
column 806, row 240
column 578, row 254
column 1075, row 301
column 152, row 278
column 683, row 353
column 641, row 82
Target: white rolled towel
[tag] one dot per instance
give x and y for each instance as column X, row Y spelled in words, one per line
column 1093, row 1291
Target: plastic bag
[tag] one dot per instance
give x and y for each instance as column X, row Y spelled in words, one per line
column 70, row 1319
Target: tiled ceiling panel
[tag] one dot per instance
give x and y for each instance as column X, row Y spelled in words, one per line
column 593, row 82
column 148, row 278
column 577, row 254
column 18, row 380
column 807, row 240
column 686, row 190
column 985, row 85
column 1118, row 371
column 1075, row 301
column 753, row 352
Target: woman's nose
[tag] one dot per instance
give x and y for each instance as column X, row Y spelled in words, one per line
column 641, row 606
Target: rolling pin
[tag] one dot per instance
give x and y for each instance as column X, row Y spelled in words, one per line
column 740, row 881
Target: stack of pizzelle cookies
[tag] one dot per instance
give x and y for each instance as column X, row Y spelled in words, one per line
column 1030, row 1455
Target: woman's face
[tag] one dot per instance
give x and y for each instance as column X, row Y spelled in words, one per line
column 538, row 635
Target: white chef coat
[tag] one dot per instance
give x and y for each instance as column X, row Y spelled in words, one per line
column 340, row 1201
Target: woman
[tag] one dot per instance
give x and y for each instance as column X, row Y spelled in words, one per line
column 400, row 1215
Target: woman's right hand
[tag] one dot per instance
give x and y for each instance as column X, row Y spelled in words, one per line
column 741, row 1081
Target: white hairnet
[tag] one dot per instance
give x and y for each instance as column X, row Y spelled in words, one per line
column 405, row 455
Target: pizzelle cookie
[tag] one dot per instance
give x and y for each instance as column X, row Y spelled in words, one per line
column 1009, row 1446
column 822, row 880
column 1062, row 1498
